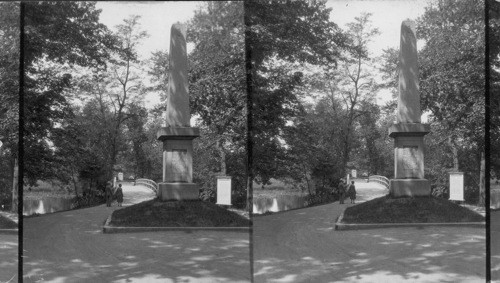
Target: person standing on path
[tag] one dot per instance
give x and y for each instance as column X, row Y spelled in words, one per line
column 119, row 195
column 352, row 192
column 342, row 187
column 108, row 194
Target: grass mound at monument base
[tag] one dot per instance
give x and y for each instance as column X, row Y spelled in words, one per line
column 409, row 210
column 156, row 213
column 6, row 223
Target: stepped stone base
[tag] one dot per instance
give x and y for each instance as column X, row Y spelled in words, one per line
column 409, row 188
column 178, row 191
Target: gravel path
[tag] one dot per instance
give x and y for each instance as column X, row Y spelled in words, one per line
column 302, row 246
column 70, row 247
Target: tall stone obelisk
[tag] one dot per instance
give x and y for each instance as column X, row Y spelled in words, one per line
column 177, row 135
column 408, row 132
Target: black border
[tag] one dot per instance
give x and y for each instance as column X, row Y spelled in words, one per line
column 21, row 143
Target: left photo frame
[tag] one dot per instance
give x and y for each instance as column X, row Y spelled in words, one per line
column 134, row 142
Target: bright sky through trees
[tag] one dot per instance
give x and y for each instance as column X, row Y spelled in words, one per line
column 386, row 16
column 157, row 17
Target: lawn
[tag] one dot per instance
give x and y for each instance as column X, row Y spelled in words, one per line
column 6, row 223
column 409, row 210
column 155, row 213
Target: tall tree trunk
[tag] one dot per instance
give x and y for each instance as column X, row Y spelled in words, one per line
column 15, row 187
column 482, row 182
column 454, row 153
column 222, row 153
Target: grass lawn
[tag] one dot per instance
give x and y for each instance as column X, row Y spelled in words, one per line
column 155, row 213
column 409, row 210
column 6, row 223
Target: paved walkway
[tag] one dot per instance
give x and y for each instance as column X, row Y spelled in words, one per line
column 8, row 258
column 495, row 245
column 302, row 246
column 9, row 252
column 70, row 247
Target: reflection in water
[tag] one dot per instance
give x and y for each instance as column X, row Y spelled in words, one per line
column 495, row 198
column 278, row 203
column 46, row 205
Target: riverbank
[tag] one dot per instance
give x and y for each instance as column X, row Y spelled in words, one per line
column 49, row 201
column 7, row 223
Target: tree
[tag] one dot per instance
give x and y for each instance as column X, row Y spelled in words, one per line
column 125, row 87
column 217, row 74
column 217, row 81
column 452, row 75
column 9, row 101
column 279, row 34
column 494, row 87
column 356, row 81
column 56, row 33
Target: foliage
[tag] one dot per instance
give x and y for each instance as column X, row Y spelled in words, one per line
column 79, row 39
column 9, row 95
column 280, row 36
column 494, row 87
column 452, row 79
column 217, row 81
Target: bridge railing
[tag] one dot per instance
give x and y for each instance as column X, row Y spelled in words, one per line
column 384, row 181
column 148, row 183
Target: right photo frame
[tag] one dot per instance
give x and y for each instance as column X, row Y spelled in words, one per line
column 369, row 150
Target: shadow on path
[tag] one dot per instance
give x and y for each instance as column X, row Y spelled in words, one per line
column 495, row 245
column 302, row 246
column 70, row 247
column 8, row 258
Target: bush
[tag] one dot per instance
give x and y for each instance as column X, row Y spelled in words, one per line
column 96, row 197
column 440, row 191
column 323, row 195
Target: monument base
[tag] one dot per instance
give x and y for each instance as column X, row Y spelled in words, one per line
column 178, row 191
column 409, row 188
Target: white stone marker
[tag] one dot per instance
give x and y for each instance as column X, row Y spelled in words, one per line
column 224, row 190
column 457, row 186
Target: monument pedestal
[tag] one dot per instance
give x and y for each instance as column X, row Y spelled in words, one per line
column 409, row 188
column 178, row 164
column 409, row 160
column 178, row 191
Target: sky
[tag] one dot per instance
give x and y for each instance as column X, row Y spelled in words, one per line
column 157, row 18
column 386, row 16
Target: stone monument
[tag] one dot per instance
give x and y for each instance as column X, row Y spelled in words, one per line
column 177, row 135
column 408, row 132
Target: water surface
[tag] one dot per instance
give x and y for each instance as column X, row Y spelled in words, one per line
column 46, row 205
column 263, row 204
